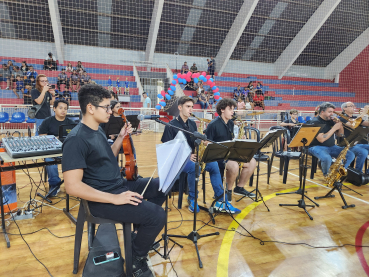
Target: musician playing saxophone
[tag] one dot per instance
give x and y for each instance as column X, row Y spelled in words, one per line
column 361, row 150
column 323, row 146
column 185, row 107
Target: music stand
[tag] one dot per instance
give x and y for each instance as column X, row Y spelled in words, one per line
column 266, row 142
column 303, row 138
column 357, row 135
column 239, row 151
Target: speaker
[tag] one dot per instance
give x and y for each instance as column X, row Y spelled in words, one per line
column 356, row 177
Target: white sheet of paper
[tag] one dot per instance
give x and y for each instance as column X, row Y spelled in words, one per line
column 170, row 157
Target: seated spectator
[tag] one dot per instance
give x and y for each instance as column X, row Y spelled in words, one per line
column 19, row 87
column 126, row 87
column 241, row 107
column 190, row 86
column 62, row 79
column 194, row 68
column 10, row 66
column 17, row 72
column 92, row 82
column 32, row 81
column 210, row 96
column 200, row 89
column 27, row 98
column 74, row 80
column 5, row 75
column 31, row 73
column 245, row 93
column 259, row 87
column 85, row 78
column 50, row 62
column 69, row 68
column 184, row 68
column 249, row 100
column 79, row 66
column 203, row 99
column 237, row 93
column 24, row 67
column 50, row 126
column 67, row 96
column 259, row 100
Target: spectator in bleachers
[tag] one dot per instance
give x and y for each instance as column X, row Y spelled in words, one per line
column 24, row 67
column 208, row 61
column 69, row 68
column 50, row 62
column 200, row 88
column 147, row 101
column 62, row 79
column 74, row 80
column 212, row 60
column 79, row 66
column 27, row 98
column 259, row 87
column 92, row 82
column 210, row 96
column 17, row 72
column 241, row 107
column 50, row 126
column 10, row 66
column 203, row 99
column 19, row 87
column 126, row 87
column 118, row 86
column 184, row 68
column 249, row 99
column 43, row 93
column 31, row 72
column 193, row 68
column 5, row 75
column 32, row 81
column 237, row 93
column 245, row 93
column 211, row 68
column 67, row 96
column 85, row 78
column 259, row 100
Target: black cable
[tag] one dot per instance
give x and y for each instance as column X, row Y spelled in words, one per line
column 179, row 213
column 172, row 266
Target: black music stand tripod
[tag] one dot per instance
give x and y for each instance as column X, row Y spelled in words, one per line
column 357, row 135
column 303, row 138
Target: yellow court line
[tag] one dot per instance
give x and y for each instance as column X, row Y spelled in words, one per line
column 225, row 248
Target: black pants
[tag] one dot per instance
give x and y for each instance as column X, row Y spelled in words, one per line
column 64, row 82
column 149, row 215
column 50, row 65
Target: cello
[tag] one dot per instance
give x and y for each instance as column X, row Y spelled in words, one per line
column 129, row 153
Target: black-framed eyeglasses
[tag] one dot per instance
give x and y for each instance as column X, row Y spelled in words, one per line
column 107, row 107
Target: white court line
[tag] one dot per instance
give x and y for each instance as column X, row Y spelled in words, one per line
column 323, row 186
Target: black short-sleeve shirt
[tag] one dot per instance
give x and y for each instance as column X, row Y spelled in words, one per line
column 170, row 133
column 89, row 150
column 50, row 126
column 218, row 130
column 293, row 130
column 327, row 127
column 348, row 132
column 45, row 108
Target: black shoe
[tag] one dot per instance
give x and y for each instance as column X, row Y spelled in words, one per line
column 229, row 195
column 243, row 192
column 140, row 267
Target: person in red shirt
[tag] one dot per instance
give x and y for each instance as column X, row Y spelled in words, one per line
column 259, row 100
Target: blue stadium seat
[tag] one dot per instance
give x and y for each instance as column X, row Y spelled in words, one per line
column 31, row 120
column 4, row 117
column 308, row 118
column 18, row 117
column 301, row 119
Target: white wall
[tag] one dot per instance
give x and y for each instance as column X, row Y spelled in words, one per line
column 39, row 50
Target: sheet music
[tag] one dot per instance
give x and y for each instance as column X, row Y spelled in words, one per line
column 171, row 156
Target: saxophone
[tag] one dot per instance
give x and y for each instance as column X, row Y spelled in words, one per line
column 241, row 134
column 202, row 147
column 337, row 169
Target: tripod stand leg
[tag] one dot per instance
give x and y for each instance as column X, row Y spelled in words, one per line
column 329, row 194
column 343, row 198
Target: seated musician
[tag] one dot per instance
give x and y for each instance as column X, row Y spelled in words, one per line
column 222, row 129
column 115, row 123
column 323, row 146
column 361, row 150
column 91, row 172
column 50, row 126
column 185, row 106
column 291, row 124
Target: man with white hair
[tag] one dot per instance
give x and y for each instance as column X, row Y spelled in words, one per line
column 361, row 150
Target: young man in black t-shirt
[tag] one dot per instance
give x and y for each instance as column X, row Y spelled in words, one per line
column 323, row 146
column 291, row 124
column 222, row 129
column 91, row 172
column 50, row 126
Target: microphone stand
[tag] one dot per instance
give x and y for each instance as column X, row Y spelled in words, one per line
column 194, row 236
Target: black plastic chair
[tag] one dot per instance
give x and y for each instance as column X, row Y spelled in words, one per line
column 84, row 214
column 253, row 133
column 182, row 188
column 284, row 156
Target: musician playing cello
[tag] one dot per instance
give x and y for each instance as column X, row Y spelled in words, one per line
column 361, row 150
column 323, row 146
column 185, row 106
column 91, row 172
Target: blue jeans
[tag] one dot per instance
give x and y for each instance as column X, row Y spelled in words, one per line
column 52, row 173
column 361, row 151
column 38, row 123
column 325, row 154
column 204, row 105
column 215, row 178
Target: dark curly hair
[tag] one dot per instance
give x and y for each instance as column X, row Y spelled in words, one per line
column 92, row 94
column 224, row 103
